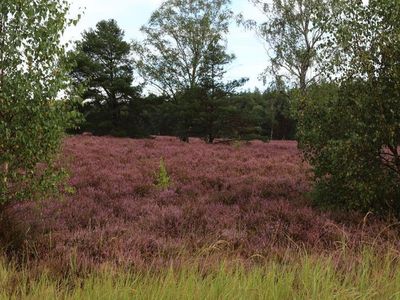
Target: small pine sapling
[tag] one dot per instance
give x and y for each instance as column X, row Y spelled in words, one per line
column 163, row 180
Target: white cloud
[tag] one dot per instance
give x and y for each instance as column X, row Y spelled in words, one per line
column 130, row 14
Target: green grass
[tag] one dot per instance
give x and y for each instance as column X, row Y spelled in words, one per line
column 370, row 276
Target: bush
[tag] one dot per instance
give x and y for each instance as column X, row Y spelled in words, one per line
column 350, row 132
column 345, row 138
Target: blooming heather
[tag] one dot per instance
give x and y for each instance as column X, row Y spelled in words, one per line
column 248, row 199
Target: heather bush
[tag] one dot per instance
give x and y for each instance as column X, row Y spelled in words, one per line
column 250, row 201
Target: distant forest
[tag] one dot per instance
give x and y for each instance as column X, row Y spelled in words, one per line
column 183, row 60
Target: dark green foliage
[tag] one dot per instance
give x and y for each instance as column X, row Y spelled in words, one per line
column 350, row 131
column 280, row 123
column 211, row 96
column 104, row 69
column 344, row 139
column 236, row 116
column 245, row 115
column 217, row 115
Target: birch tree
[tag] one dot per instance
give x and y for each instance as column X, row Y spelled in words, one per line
column 32, row 74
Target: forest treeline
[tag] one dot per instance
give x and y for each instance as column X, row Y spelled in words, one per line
column 334, row 64
column 182, row 62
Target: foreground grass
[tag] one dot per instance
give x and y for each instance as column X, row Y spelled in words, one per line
column 369, row 277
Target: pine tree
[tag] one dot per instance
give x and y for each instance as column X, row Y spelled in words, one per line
column 104, row 67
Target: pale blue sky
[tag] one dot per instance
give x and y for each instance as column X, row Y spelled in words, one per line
column 251, row 56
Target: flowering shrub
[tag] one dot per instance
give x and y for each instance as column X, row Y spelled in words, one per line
column 250, row 200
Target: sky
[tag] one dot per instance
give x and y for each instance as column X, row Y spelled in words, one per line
column 251, row 56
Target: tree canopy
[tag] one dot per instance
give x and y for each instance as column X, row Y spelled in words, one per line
column 294, row 32
column 178, row 37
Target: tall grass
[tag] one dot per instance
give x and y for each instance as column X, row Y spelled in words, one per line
column 370, row 276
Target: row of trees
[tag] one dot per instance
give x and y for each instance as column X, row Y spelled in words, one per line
column 183, row 59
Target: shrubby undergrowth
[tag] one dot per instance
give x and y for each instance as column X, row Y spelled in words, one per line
column 346, row 140
column 239, row 202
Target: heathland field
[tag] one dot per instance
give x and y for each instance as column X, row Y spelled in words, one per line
column 159, row 218
column 144, row 166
